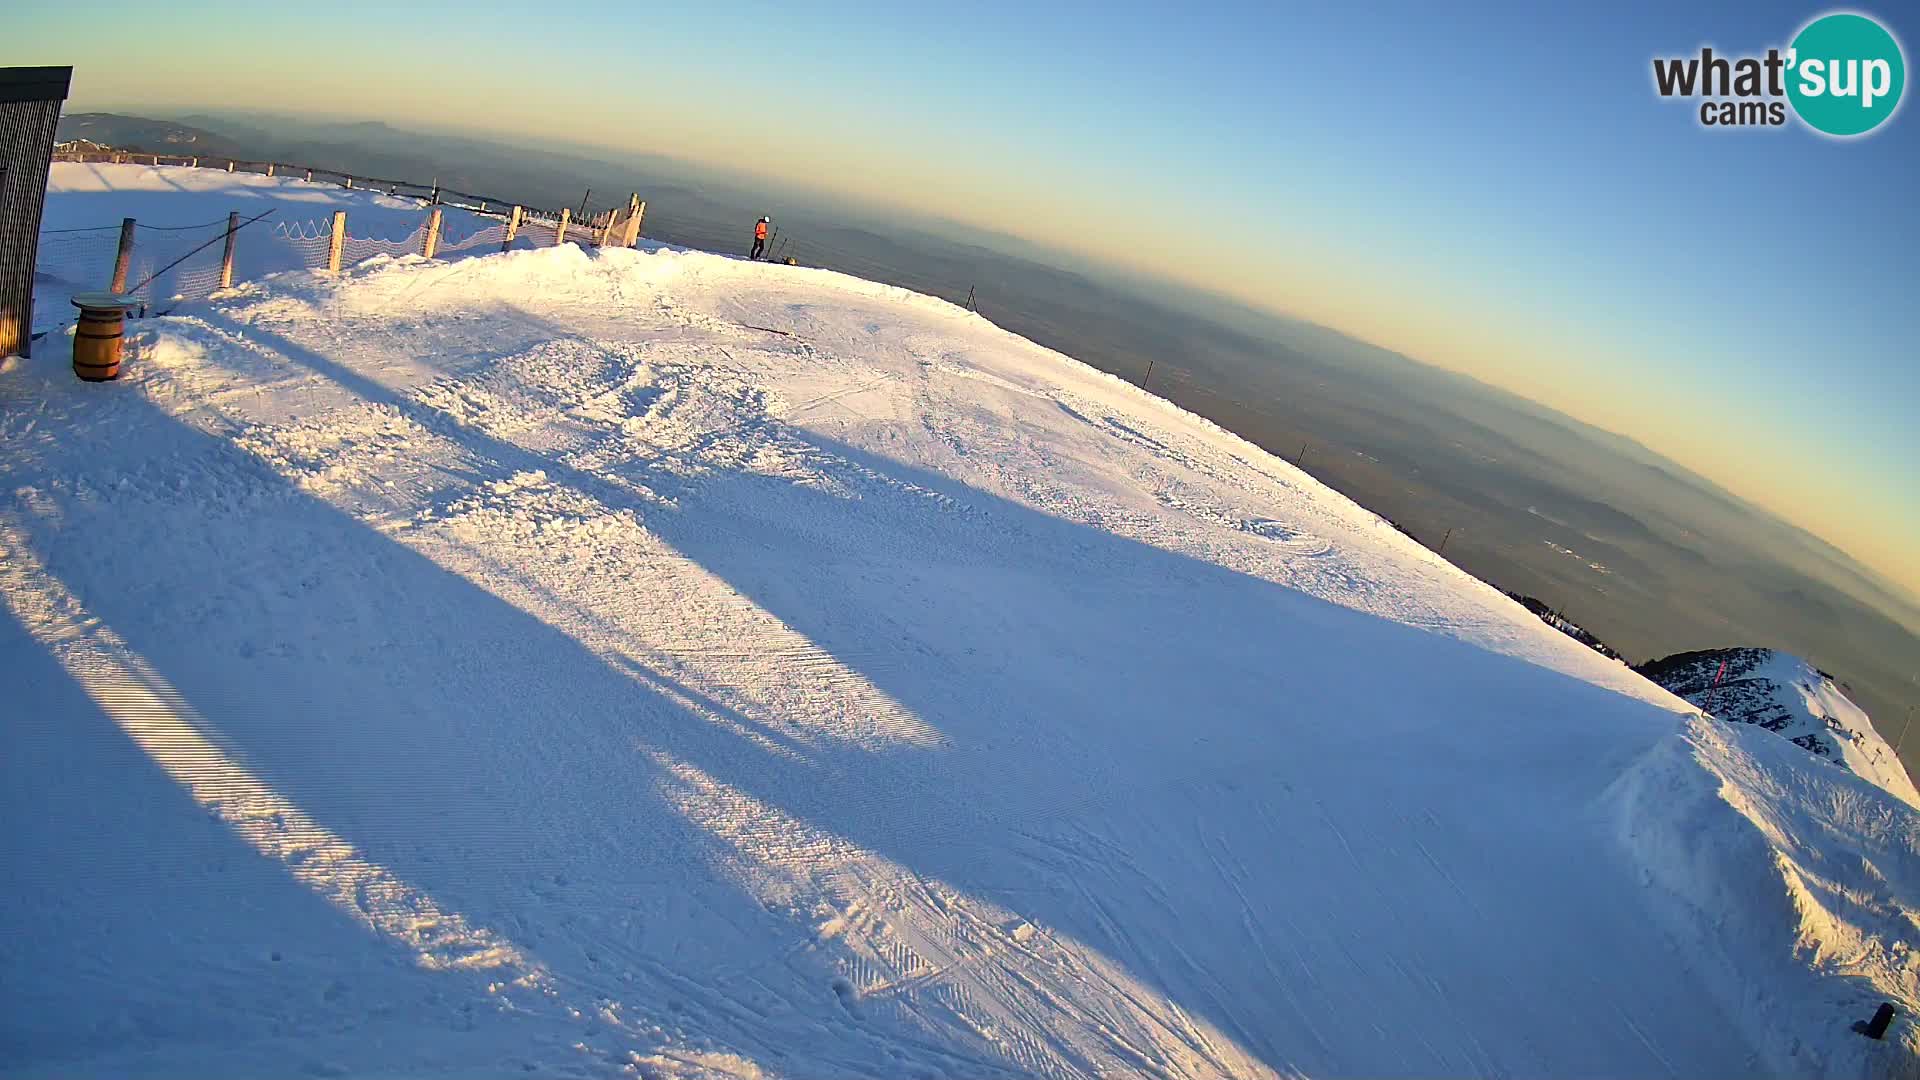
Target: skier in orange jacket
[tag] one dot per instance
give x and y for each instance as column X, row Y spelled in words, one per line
column 759, row 238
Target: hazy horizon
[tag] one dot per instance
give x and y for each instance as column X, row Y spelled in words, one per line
column 1638, row 548
column 1364, row 229
column 1005, row 243
column 1595, row 252
column 1191, row 296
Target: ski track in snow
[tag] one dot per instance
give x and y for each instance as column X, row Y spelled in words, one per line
column 521, row 666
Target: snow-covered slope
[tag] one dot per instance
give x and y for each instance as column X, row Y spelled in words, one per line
column 1790, row 697
column 523, row 665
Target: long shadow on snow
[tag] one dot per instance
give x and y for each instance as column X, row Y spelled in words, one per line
column 1043, row 646
column 109, row 898
column 1073, row 676
column 478, row 754
column 1069, row 669
column 1233, row 790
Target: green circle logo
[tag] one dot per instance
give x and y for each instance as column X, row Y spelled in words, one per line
column 1845, row 74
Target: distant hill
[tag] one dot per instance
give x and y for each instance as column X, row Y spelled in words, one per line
column 1790, row 697
column 148, row 136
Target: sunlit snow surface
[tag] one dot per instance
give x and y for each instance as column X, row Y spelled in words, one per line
column 522, row 666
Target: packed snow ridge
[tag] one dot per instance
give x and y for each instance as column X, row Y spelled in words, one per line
column 521, row 665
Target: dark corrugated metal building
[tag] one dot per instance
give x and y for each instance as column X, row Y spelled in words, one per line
column 30, row 99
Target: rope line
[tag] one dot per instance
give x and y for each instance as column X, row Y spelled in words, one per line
column 181, row 228
column 80, row 257
column 301, row 230
column 198, row 250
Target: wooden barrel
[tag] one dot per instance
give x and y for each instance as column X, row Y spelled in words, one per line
column 97, row 339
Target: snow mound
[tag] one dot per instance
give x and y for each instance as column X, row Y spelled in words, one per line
column 527, row 664
column 1790, row 697
column 1807, row 885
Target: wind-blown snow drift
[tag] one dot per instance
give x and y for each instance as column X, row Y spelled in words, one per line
column 520, row 664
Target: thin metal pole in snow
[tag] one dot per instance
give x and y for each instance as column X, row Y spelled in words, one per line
column 1443, row 542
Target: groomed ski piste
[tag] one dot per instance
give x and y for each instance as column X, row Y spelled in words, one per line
column 522, row 666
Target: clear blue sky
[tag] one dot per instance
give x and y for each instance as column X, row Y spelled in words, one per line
column 1494, row 190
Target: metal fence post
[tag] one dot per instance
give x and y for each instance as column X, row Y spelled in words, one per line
column 433, row 233
column 123, row 258
column 336, row 241
column 226, row 260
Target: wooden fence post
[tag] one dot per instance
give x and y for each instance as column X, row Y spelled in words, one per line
column 336, row 241
column 196, row 162
column 270, row 166
column 633, row 223
column 123, row 258
column 349, row 183
column 433, row 233
column 226, row 260
column 606, row 230
column 156, row 159
column 513, row 229
column 309, row 176
column 229, row 165
column 560, row 237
